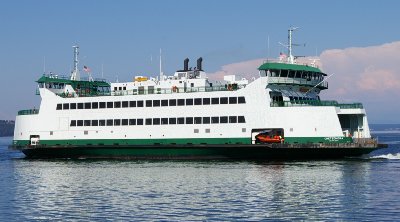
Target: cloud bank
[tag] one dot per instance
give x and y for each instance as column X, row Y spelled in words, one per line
column 367, row 74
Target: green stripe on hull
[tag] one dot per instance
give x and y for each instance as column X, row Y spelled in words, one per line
column 189, row 141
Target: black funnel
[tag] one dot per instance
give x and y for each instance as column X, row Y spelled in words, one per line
column 199, row 64
column 186, row 64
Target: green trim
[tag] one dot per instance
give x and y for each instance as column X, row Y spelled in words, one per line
column 269, row 66
column 190, row 141
column 107, row 142
column 305, row 140
column 47, row 79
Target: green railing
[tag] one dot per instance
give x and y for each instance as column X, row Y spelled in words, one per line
column 28, row 112
column 317, row 103
column 298, row 81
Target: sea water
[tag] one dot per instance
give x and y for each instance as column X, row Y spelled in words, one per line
column 364, row 188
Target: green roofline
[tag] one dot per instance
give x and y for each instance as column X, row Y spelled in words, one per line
column 296, row 67
column 46, row 79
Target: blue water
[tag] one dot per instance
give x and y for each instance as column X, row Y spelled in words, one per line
column 355, row 189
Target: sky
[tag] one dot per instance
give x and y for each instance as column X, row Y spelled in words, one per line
column 357, row 41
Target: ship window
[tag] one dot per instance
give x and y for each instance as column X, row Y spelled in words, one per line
column 197, row 101
column 197, row 120
column 298, row 74
column 206, row 120
column 233, row 119
column 115, row 88
column 284, row 73
column 181, row 102
column 139, row 121
column 79, row 123
column 156, row 121
column 215, row 119
column 223, row 119
column 232, row 100
column 124, row 88
column 164, row 121
column 132, row 103
column 292, row 73
column 156, row 102
column 88, row 105
column 95, row 122
column 189, row 102
column 172, row 120
column 214, row 100
column 73, row 123
column 172, row 102
column 241, row 100
column 95, row 105
column 241, row 119
column 196, row 131
column 149, row 103
column 110, row 104
column 206, row 101
column 66, row 106
column 59, row 106
column 224, row 100
column 117, row 104
column 139, row 103
column 189, row 120
column 117, row 122
column 304, row 75
column 164, row 102
column 124, row 122
column 125, row 104
column 120, row 88
column 181, row 120
column 102, row 122
column 80, row 105
column 149, row 121
column 102, row 105
column 109, row 122
column 72, row 106
column 132, row 122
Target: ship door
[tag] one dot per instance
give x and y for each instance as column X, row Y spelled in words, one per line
column 34, row 140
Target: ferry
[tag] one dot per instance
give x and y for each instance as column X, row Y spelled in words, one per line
column 278, row 115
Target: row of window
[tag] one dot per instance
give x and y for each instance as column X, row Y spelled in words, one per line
column 152, row 103
column 160, row 121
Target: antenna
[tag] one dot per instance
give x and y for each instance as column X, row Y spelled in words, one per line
column 44, row 65
column 102, row 71
column 268, row 48
column 161, row 73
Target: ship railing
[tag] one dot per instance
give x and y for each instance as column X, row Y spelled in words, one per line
column 28, row 112
column 364, row 141
column 175, row 90
column 296, row 103
column 297, row 81
column 152, row 91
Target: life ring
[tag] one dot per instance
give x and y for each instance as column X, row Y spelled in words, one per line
column 230, row 87
column 174, row 88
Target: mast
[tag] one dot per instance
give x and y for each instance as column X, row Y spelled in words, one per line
column 290, row 56
column 75, row 73
column 161, row 73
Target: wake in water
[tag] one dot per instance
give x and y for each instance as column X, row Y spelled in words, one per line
column 388, row 156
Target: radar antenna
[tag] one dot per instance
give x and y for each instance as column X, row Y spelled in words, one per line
column 289, row 46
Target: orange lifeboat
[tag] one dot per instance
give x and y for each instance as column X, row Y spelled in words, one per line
column 263, row 138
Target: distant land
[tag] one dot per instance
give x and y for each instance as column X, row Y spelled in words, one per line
column 7, row 128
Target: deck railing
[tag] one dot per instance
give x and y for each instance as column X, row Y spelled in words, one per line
column 297, row 81
column 154, row 91
column 28, row 112
column 297, row 103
